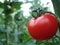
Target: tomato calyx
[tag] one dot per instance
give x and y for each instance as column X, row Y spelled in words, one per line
column 39, row 12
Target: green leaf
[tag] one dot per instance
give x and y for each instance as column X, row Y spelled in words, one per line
column 16, row 5
column 56, row 5
column 1, row 5
column 17, row 16
column 38, row 42
column 1, row 16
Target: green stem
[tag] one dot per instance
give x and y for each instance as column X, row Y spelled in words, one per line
column 6, row 34
column 6, row 24
column 7, row 37
column 16, row 33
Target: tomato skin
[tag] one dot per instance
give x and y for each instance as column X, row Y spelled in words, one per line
column 43, row 27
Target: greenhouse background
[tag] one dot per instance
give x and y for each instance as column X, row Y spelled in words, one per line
column 14, row 17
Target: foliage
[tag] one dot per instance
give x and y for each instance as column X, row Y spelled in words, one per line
column 13, row 25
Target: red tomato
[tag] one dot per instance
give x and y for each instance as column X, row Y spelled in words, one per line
column 43, row 27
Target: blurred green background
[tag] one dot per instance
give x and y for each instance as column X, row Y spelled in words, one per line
column 14, row 17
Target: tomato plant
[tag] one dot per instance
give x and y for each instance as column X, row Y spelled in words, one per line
column 43, row 27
